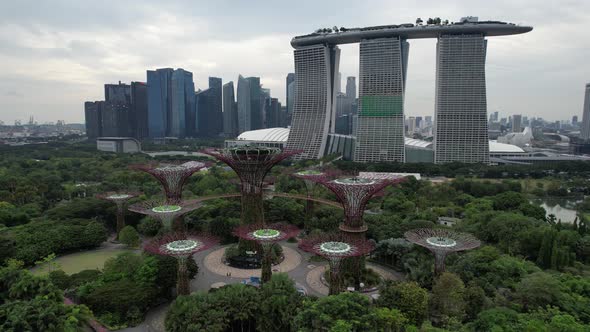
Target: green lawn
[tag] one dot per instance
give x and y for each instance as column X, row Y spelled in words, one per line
column 77, row 262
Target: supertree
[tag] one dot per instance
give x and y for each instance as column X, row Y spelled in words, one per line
column 353, row 193
column 266, row 236
column 120, row 199
column 441, row 242
column 252, row 164
column 310, row 178
column 335, row 247
column 166, row 213
column 181, row 246
column 172, row 176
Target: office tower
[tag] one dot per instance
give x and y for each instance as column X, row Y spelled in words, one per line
column 114, row 118
column 314, row 108
column 284, row 117
column 351, row 87
column 516, row 123
column 585, row 130
column 117, row 93
column 411, row 125
column 343, row 124
column 575, row 120
column 257, row 115
column 138, row 113
column 230, row 111
column 93, row 119
column 419, row 123
column 273, row 114
column 343, row 104
column 209, row 116
column 181, row 119
column 215, row 85
column 244, row 105
column 380, row 132
column 428, row 120
column 290, row 91
column 525, row 122
column 159, row 99
column 265, row 106
column 338, row 83
column 290, row 101
column 461, row 127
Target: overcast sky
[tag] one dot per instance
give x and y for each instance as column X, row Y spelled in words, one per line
column 56, row 54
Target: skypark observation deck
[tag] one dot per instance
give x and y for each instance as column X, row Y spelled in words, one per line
column 410, row 31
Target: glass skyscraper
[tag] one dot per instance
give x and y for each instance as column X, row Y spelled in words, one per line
column 461, row 126
column 230, row 111
column 585, row 130
column 159, row 100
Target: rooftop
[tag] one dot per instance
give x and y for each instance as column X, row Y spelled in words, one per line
column 408, row 31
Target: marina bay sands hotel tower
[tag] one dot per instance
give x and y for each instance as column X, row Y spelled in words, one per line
column 460, row 129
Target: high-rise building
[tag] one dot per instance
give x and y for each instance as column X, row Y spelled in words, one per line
column 265, row 101
column 338, row 86
column 182, row 115
column 159, row 100
column 575, row 120
column 171, row 103
column 411, row 125
column 230, row 111
column 117, row 93
column 273, row 114
column 351, row 87
column 93, row 119
column 343, row 104
column 314, row 109
column 215, row 85
column 114, row 119
column 461, row 127
column 516, row 123
column 290, row 101
column 138, row 113
column 249, row 103
column 289, row 93
column 585, row 130
column 256, row 100
column 202, row 107
column 380, row 132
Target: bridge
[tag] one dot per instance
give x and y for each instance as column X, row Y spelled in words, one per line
column 328, row 202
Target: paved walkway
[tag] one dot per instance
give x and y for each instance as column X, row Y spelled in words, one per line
column 214, row 263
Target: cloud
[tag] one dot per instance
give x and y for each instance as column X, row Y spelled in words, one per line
column 60, row 53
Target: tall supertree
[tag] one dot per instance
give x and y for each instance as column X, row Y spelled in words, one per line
column 353, row 193
column 172, row 176
column 166, row 213
column 441, row 242
column 252, row 164
column 335, row 247
column 181, row 246
column 310, row 177
column 120, row 199
column 266, row 236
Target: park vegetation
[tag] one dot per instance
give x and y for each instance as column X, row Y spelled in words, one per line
column 531, row 274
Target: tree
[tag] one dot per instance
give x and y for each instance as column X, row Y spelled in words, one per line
column 196, row 313
column 129, row 236
column 279, row 305
column 538, row 290
column 149, row 226
column 240, row 302
column 447, row 300
column 407, row 297
column 352, row 308
column 389, row 320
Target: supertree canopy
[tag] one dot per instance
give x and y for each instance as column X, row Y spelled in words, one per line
column 441, row 242
column 266, row 236
column 180, row 245
column 335, row 247
column 120, row 199
column 252, row 164
column 172, row 176
column 163, row 211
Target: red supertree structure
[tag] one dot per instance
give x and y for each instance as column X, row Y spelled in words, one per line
column 120, row 199
column 181, row 246
column 335, row 247
column 266, row 236
column 310, row 177
column 172, row 176
column 252, row 164
column 441, row 242
column 166, row 213
column 353, row 193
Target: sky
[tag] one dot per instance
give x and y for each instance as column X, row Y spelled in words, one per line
column 56, row 54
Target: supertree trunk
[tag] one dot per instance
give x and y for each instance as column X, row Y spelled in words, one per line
column 439, row 262
column 120, row 219
column 308, row 214
column 335, row 280
column 252, row 208
column 178, row 225
column 266, row 263
column 182, row 281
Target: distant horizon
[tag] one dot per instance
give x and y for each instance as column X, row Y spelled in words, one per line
column 57, row 55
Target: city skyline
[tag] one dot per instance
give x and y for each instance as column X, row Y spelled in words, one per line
column 65, row 55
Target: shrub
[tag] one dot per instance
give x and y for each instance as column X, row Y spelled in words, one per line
column 149, row 226
column 129, row 236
